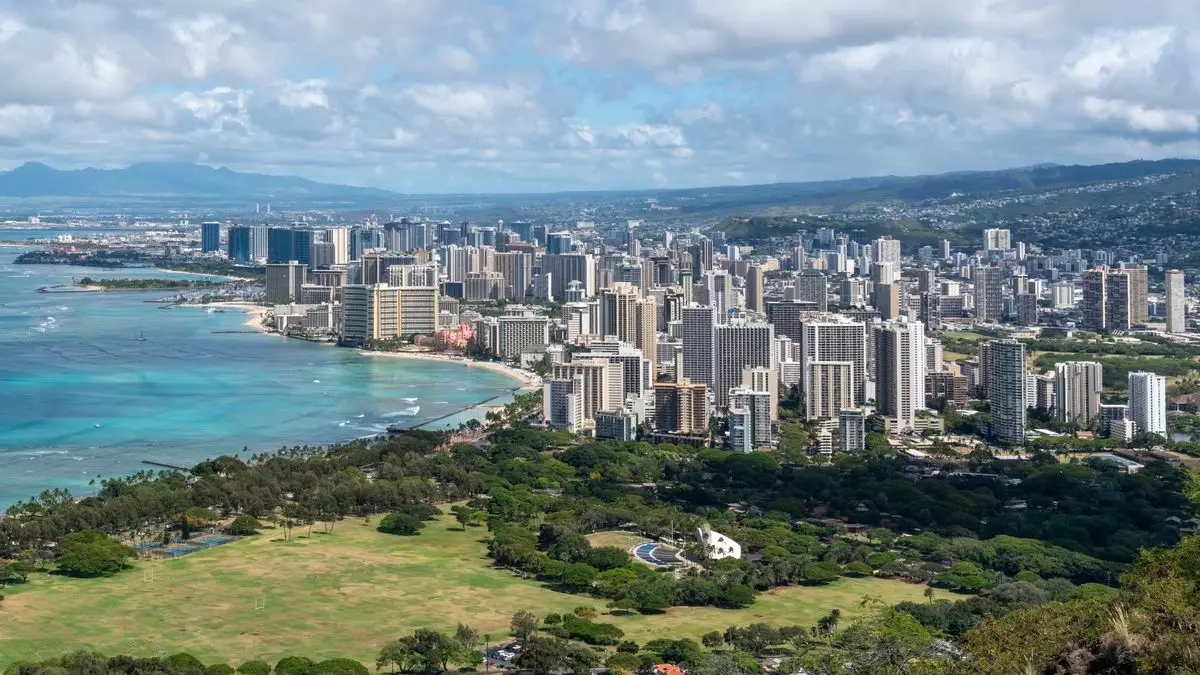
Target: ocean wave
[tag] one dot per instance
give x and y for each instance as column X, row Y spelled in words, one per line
column 409, row 400
column 42, row 453
column 407, row 412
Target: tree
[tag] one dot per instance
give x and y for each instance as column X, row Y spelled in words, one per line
column 579, row 576
column 466, row 515
column 433, row 649
column 542, row 655
column 397, row 655
column 580, row 660
column 523, row 624
column 400, row 523
column 466, row 636
column 244, row 526
column 219, row 669
column 89, row 553
column 712, row 639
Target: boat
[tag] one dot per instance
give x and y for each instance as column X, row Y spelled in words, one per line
column 141, row 336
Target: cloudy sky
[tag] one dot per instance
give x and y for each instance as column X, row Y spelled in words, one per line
column 516, row 95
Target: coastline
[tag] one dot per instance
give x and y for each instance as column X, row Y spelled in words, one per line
column 256, row 313
column 202, row 274
column 529, row 381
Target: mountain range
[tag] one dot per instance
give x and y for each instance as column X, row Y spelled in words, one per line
column 174, row 180
column 183, row 183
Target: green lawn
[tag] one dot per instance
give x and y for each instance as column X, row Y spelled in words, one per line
column 342, row 594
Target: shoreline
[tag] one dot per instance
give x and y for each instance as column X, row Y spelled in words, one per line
column 202, row 274
column 255, row 313
column 529, row 381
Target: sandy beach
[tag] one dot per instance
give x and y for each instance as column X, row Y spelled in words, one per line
column 255, row 312
column 528, row 380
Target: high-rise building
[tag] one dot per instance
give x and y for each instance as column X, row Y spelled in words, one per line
column 900, row 372
column 755, row 287
column 887, row 300
column 749, row 419
column 630, row 318
column 1175, row 300
column 1138, row 292
column 1063, row 293
column 837, row 339
column 568, row 267
column 812, row 286
column 736, row 345
column 1148, row 402
column 997, row 239
column 1077, row 386
column 340, row 238
column 1095, row 299
column 830, row 389
column 238, row 246
column 1006, row 389
column 517, row 268
column 989, row 293
column 681, row 407
column 1026, row 307
column 852, row 293
column 321, row 253
column 210, row 237
column 484, row 286
column 603, row 384
column 788, row 316
column 1118, row 309
column 558, row 243
column 852, row 430
column 284, row 282
column 887, row 249
column 370, row 313
column 517, row 334
column 284, row 245
column 697, row 325
column 562, row 403
column 373, row 312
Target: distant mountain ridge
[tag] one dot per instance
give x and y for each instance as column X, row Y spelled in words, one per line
column 181, row 183
column 172, row 179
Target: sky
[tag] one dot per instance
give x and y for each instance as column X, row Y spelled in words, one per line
column 546, row 95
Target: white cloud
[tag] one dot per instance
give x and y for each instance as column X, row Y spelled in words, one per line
column 459, row 94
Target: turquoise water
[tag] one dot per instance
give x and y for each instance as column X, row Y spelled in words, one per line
column 81, row 396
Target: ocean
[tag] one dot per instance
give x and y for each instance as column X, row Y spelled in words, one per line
column 82, row 398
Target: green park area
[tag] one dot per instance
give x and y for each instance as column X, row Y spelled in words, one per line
column 344, row 594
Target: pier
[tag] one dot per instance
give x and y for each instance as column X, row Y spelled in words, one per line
column 163, row 465
column 398, row 428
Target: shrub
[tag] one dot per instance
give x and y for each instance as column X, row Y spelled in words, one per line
column 857, row 569
column 219, row 669
column 255, row 668
column 184, row 661
column 339, row 667
column 400, row 523
column 820, row 573
column 294, row 665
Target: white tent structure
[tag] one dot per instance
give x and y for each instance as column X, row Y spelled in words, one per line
column 717, row 546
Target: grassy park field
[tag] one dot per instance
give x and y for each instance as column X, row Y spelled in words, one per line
column 339, row 594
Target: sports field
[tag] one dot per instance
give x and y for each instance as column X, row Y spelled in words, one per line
column 341, row 594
